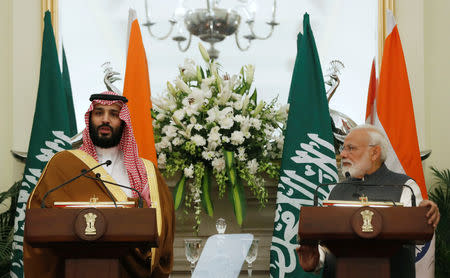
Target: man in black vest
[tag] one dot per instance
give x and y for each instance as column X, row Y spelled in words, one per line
column 362, row 157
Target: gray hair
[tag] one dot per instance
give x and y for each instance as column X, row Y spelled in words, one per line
column 377, row 138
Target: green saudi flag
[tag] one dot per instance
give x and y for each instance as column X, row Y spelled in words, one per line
column 68, row 90
column 49, row 134
column 308, row 155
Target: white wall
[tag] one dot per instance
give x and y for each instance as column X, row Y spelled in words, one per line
column 27, row 43
column 409, row 15
column 5, row 89
column 423, row 29
column 437, row 71
column 20, row 50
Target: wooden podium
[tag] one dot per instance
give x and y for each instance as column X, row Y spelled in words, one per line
column 363, row 239
column 91, row 240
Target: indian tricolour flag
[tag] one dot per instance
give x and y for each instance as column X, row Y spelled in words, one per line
column 137, row 89
column 394, row 114
column 308, row 156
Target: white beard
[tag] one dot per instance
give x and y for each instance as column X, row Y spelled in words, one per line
column 357, row 168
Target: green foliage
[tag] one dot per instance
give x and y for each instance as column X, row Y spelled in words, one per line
column 7, row 228
column 440, row 194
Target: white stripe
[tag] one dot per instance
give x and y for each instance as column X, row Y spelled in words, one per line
column 390, row 22
column 392, row 161
column 425, row 266
column 131, row 17
column 405, row 198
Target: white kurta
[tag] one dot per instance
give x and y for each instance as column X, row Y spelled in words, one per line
column 117, row 168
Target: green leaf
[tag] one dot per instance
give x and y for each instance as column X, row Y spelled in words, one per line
column 242, row 89
column 206, row 192
column 7, row 228
column 153, row 113
column 440, row 194
column 236, row 194
column 202, row 72
column 229, row 164
column 238, row 199
column 178, row 194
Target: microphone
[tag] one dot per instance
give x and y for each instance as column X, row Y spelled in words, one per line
column 83, row 172
column 316, row 192
column 347, row 175
column 413, row 197
column 359, row 183
column 106, row 188
column 97, row 178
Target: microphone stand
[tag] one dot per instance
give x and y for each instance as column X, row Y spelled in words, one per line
column 106, row 188
column 83, row 173
column 97, row 178
column 361, row 183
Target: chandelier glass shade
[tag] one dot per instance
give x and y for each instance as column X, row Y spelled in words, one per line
column 213, row 24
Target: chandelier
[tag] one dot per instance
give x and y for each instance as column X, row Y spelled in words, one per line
column 213, row 24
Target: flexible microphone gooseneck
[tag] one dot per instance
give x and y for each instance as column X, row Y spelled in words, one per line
column 83, row 173
column 413, row 197
column 97, row 178
column 106, row 188
column 357, row 195
column 316, row 192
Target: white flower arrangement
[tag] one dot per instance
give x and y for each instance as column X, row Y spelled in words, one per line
column 207, row 125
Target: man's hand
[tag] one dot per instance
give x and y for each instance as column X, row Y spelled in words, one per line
column 308, row 256
column 433, row 214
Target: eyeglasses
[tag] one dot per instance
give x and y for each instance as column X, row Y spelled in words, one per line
column 351, row 148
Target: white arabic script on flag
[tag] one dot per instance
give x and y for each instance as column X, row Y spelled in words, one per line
column 296, row 190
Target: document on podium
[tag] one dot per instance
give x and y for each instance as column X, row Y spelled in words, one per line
column 223, row 256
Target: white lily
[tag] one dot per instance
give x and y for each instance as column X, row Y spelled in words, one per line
column 171, row 89
column 178, row 122
column 189, row 70
column 182, row 86
column 258, row 108
column 225, row 96
column 204, row 52
column 213, row 69
column 199, row 74
column 245, row 104
column 249, row 73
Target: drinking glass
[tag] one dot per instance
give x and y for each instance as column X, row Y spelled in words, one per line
column 192, row 251
column 251, row 255
column 221, row 225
